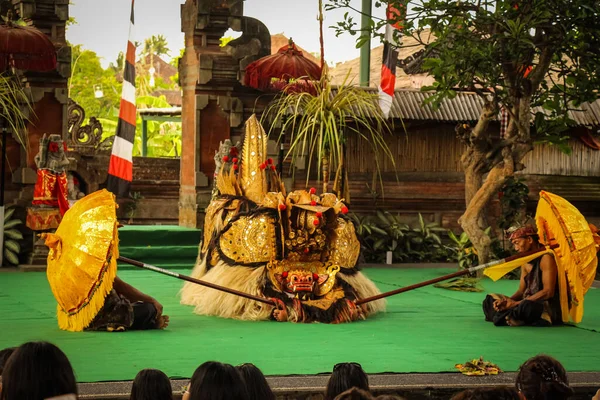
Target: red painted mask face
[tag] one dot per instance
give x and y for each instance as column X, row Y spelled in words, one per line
column 299, row 282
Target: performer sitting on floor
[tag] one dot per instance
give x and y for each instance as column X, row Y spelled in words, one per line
column 537, row 300
column 126, row 308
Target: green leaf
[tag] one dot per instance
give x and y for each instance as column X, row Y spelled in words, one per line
column 13, row 234
column 11, row 257
column 11, row 224
column 12, row 246
column 8, row 212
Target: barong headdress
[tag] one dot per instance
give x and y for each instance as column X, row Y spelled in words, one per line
column 253, row 221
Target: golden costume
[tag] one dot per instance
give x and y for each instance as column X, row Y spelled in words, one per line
column 298, row 249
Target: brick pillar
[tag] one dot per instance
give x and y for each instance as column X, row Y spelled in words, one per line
column 189, row 70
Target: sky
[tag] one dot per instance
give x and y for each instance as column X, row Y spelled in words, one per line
column 103, row 26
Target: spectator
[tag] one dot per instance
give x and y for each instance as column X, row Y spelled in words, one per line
column 38, row 371
column 346, row 376
column 4, row 354
column 500, row 393
column 216, row 381
column 151, row 384
column 543, row 378
column 354, row 394
column 256, row 383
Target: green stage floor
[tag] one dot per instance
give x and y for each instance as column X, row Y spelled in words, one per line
column 426, row 330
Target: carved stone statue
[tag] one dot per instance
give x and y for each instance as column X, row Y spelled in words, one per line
column 51, row 186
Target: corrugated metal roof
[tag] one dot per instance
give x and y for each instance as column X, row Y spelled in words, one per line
column 466, row 106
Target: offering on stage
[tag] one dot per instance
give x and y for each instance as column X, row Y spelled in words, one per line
column 297, row 248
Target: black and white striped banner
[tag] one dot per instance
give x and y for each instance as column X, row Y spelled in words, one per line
column 394, row 13
column 120, row 169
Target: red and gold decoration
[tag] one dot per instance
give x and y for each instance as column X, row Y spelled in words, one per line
column 51, row 186
column 275, row 72
column 296, row 248
column 43, row 219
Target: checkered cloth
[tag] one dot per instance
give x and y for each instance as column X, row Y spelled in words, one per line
column 504, row 118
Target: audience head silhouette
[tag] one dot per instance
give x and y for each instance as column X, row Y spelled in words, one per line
column 151, row 384
column 37, row 371
column 216, row 381
column 346, row 376
column 256, row 383
column 543, row 378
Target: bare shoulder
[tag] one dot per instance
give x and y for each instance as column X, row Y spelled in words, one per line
column 548, row 262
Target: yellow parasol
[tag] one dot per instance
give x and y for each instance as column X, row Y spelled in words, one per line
column 559, row 222
column 82, row 262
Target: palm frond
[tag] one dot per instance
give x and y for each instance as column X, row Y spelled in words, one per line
column 319, row 123
column 15, row 105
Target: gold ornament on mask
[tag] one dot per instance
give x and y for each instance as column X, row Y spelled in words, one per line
column 254, row 153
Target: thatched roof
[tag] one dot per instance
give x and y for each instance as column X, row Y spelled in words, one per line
column 409, row 47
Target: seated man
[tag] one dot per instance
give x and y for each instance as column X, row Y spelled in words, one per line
column 126, row 308
column 537, row 301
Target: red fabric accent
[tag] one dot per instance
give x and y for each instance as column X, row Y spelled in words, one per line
column 120, row 168
column 62, row 194
column 130, row 57
column 51, row 189
column 396, row 14
column 388, row 80
column 127, row 112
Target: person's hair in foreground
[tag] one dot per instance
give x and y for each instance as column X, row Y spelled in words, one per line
column 354, row 394
column 500, row 393
column 346, row 376
column 216, row 381
column 4, row 355
column 151, row 384
column 543, row 378
column 256, row 383
column 38, row 371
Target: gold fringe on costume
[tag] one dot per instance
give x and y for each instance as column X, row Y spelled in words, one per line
column 82, row 262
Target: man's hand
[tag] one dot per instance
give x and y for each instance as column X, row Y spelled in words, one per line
column 280, row 311
column 505, row 304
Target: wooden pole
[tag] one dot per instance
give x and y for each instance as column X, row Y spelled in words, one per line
column 193, row 280
column 450, row 276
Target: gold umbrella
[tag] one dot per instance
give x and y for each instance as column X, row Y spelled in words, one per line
column 82, row 262
column 559, row 222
